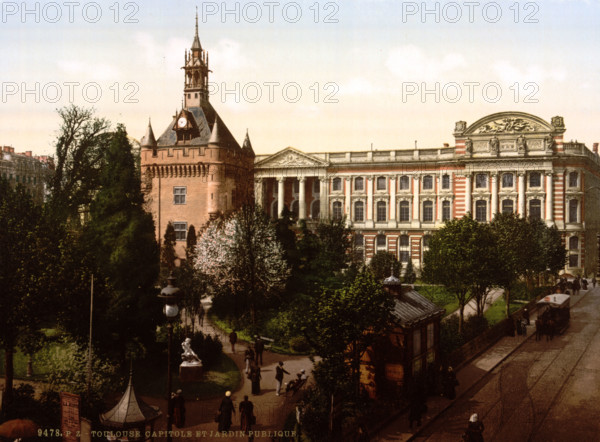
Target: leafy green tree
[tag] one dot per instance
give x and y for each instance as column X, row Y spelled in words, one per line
column 191, row 281
column 409, row 275
column 384, row 264
column 121, row 235
column 28, row 262
column 167, row 254
column 80, row 152
column 453, row 256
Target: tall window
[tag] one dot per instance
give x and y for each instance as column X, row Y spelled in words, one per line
column 573, row 179
column 508, row 206
column 573, row 209
column 573, row 260
column 359, row 183
column 445, row 210
column 574, row 243
column 337, row 210
column 481, row 211
column 404, row 182
column 535, row 209
column 427, row 211
column 403, row 241
column 404, row 255
column 381, row 242
column 359, row 246
column 508, row 180
column 481, row 181
column 359, row 211
column 381, row 183
column 336, row 185
column 427, row 182
column 381, row 211
column 404, row 211
column 180, row 231
column 446, row 181
column 535, row 179
column 426, row 240
column 179, row 194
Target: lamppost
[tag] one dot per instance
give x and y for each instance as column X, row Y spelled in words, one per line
column 170, row 295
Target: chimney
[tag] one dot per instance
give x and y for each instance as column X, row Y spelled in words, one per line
column 595, row 148
column 446, row 145
column 5, row 149
column 28, row 153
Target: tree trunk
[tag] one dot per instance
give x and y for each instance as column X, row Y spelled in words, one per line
column 461, row 317
column 29, row 366
column 507, row 296
column 9, row 375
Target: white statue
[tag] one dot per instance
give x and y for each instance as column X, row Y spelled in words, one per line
column 188, row 356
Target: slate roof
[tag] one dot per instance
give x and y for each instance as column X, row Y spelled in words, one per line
column 205, row 119
column 130, row 411
column 412, row 307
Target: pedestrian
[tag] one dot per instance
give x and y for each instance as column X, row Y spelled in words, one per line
column 247, row 418
column 449, row 383
column 179, row 409
column 255, row 378
column 249, row 358
column 232, row 340
column 526, row 315
column 518, row 326
column 279, row 371
column 225, row 411
column 474, row 432
column 201, row 316
column 523, row 326
column 584, row 284
column 576, row 286
column 259, row 347
column 418, row 404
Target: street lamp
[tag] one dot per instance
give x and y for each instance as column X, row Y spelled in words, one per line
column 170, row 295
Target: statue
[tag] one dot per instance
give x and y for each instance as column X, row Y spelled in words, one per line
column 188, row 356
column 469, row 146
column 494, row 145
column 521, row 144
column 549, row 142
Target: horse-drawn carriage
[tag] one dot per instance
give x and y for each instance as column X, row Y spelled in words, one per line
column 554, row 315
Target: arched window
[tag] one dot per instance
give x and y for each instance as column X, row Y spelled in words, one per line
column 427, row 211
column 573, row 209
column 359, row 183
column 404, row 182
column 404, row 211
column 481, row 211
column 337, row 210
column 535, row 209
column 427, row 182
column 381, row 211
column 359, row 211
column 381, row 183
column 508, row 206
column 336, row 184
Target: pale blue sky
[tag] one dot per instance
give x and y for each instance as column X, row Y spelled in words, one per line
column 372, row 58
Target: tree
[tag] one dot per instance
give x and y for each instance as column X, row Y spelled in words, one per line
column 453, row 258
column 409, row 275
column 80, row 150
column 167, row 253
column 29, row 241
column 121, row 235
column 384, row 264
column 243, row 260
column 191, row 281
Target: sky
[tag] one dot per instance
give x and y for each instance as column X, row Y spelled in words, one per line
column 315, row 75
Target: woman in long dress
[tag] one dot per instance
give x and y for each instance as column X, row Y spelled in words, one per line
column 246, row 414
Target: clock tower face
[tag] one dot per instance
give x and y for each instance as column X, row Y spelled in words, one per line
column 182, row 122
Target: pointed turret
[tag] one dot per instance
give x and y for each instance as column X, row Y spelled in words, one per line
column 196, row 44
column 195, row 92
column 149, row 140
column 215, row 136
column 247, row 146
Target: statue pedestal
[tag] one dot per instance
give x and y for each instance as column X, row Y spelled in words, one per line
column 190, row 372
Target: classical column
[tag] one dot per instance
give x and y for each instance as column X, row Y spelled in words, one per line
column 468, row 190
column 324, row 197
column 393, row 199
column 522, row 194
column 302, row 196
column 280, row 195
column 259, row 196
column 494, row 194
column 369, row 184
column 438, row 201
column 549, row 198
column 347, row 199
column 416, row 201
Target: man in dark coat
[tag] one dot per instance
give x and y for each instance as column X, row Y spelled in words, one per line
column 246, row 415
column 179, row 409
column 225, row 410
column 279, row 371
column 259, row 347
column 232, row 340
column 449, row 383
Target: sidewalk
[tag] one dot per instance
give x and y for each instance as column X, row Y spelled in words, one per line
column 468, row 376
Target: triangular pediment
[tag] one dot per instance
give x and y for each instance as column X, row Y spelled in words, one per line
column 509, row 123
column 290, row 157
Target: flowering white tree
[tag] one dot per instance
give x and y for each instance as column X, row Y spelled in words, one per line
column 243, row 258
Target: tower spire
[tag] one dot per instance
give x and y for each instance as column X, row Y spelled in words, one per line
column 196, row 44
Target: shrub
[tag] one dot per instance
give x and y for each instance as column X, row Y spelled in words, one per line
column 299, row 344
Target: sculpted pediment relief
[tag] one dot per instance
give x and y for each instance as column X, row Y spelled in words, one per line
column 290, row 157
column 509, row 123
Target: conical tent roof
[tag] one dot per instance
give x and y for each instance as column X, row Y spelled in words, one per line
column 130, row 411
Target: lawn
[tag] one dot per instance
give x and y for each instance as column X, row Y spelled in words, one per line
column 497, row 311
column 439, row 296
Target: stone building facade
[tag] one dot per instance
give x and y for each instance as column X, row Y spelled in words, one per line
column 31, row 171
column 195, row 169
column 395, row 199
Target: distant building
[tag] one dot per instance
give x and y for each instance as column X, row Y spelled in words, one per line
column 195, row 169
column 28, row 170
column 395, row 199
